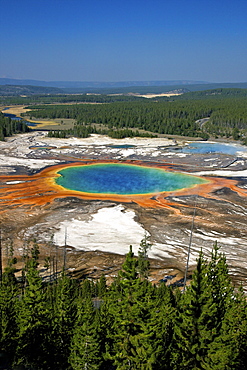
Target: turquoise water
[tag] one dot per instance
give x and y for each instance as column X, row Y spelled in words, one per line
column 205, row 148
column 123, row 179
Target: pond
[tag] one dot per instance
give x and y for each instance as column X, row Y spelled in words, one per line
column 209, row 147
column 123, row 179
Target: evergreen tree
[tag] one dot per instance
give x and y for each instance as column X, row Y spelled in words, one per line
column 86, row 348
column 128, row 273
column 219, row 282
column 8, row 324
column 158, row 330
column 195, row 322
column 229, row 351
column 125, row 313
column 101, row 286
column 138, row 333
column 143, row 263
column 201, row 314
column 32, row 348
column 63, row 319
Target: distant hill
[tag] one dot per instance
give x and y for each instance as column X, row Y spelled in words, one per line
column 92, row 84
column 14, row 87
column 155, row 89
column 215, row 93
column 25, row 90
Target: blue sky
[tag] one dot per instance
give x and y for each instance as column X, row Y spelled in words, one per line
column 112, row 40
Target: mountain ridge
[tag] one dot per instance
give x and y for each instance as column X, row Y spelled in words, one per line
column 96, row 84
column 11, row 87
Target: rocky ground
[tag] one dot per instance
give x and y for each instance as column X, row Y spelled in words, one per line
column 98, row 232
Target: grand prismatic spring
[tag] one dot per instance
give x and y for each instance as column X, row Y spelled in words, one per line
column 124, row 179
column 148, row 186
column 108, row 193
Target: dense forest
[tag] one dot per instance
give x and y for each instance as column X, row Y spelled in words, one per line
column 8, row 126
column 225, row 110
column 66, row 98
column 130, row 324
column 125, row 115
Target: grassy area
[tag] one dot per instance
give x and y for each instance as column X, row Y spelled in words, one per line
column 52, row 124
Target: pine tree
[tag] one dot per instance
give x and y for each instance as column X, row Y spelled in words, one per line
column 133, row 342
column 86, row 348
column 219, row 280
column 158, row 330
column 32, row 349
column 8, row 324
column 195, row 321
column 128, row 273
column 202, row 311
column 230, row 348
column 101, row 286
column 123, row 311
column 63, row 319
column 143, row 263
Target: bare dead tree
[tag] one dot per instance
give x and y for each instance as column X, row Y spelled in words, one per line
column 65, row 249
column 190, row 242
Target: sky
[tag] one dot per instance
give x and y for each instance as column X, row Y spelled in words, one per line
column 124, row 40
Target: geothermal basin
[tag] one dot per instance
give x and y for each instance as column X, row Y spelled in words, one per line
column 137, row 187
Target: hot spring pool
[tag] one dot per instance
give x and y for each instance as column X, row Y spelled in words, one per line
column 207, row 147
column 123, row 179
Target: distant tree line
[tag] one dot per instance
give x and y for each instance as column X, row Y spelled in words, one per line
column 162, row 118
column 66, row 98
column 215, row 93
column 84, row 131
column 47, row 95
column 130, row 324
column 225, row 108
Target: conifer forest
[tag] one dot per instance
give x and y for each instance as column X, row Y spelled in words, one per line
column 118, row 117
column 64, row 323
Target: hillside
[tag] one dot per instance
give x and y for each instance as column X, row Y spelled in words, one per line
column 124, row 87
column 26, row 90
